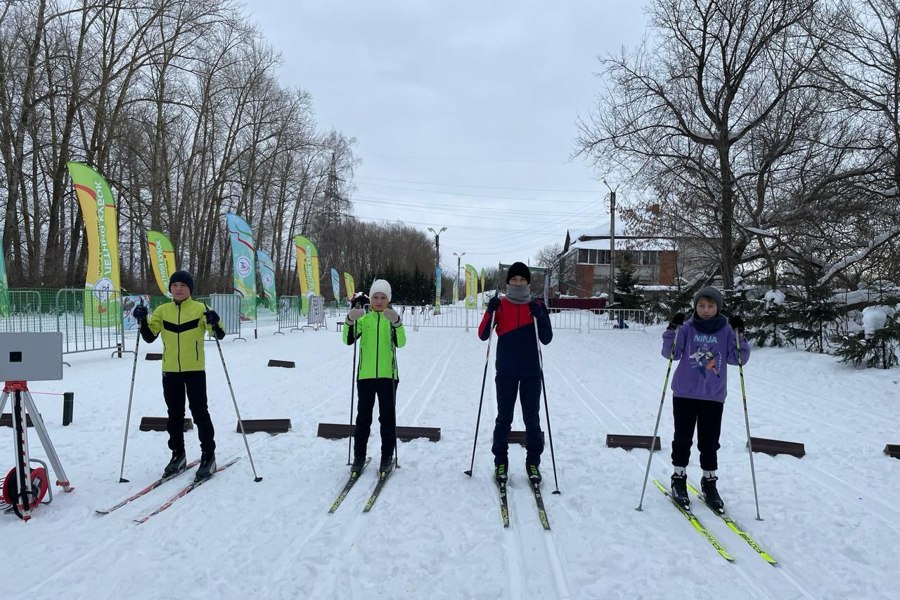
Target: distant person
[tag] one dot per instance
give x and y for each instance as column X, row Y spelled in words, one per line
column 704, row 344
column 380, row 332
column 518, row 367
column 183, row 323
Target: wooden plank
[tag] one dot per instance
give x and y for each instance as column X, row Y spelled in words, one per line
column 630, row 442
column 159, row 424
column 335, row 431
column 6, row 420
column 892, row 450
column 287, row 364
column 153, row 356
column 775, row 447
column 272, row 426
column 518, row 437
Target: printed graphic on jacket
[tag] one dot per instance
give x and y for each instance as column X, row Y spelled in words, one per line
column 705, row 361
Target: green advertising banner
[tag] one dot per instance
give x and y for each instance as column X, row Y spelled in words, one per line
column 483, row 302
column 162, row 259
column 307, row 270
column 471, row 287
column 242, row 256
column 98, row 210
column 4, row 286
column 267, row 275
column 350, row 285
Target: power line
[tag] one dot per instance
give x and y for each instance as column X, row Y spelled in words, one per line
column 469, row 159
column 491, row 197
column 486, row 187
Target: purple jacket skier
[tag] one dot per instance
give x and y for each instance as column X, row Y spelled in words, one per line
column 704, row 345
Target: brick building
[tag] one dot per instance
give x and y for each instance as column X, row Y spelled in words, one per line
column 658, row 261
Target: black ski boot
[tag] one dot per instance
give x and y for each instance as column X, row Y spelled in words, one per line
column 501, row 474
column 387, row 465
column 357, row 466
column 679, row 490
column 534, row 473
column 176, row 464
column 711, row 494
column 207, row 466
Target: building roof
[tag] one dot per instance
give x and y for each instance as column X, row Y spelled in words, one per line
column 625, row 243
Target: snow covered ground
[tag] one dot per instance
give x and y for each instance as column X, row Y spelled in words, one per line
column 832, row 518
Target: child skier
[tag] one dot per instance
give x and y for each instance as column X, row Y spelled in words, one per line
column 704, row 345
column 518, row 367
column 380, row 333
column 182, row 324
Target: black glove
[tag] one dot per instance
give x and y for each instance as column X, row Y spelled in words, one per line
column 736, row 323
column 212, row 317
column 139, row 313
column 677, row 321
column 493, row 304
column 537, row 308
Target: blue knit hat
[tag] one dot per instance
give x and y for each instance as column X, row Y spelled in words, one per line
column 182, row 277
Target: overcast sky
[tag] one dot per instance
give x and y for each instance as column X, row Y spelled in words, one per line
column 464, row 111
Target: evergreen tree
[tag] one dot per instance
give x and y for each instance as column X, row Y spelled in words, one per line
column 876, row 350
column 808, row 322
column 626, row 295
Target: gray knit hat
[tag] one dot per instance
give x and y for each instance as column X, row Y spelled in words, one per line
column 711, row 293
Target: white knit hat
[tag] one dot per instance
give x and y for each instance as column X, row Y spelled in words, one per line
column 380, row 285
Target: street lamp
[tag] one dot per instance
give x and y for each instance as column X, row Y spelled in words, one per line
column 437, row 243
column 437, row 266
column 458, row 261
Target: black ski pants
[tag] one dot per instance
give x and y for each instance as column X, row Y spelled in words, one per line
column 528, row 389
column 386, row 390
column 174, row 387
column 706, row 415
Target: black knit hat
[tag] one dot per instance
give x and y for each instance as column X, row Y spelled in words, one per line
column 182, row 277
column 520, row 269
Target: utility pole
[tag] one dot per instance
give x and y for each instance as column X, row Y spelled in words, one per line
column 612, row 243
column 437, row 267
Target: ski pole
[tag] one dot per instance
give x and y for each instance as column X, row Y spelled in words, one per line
column 487, row 357
column 394, row 395
column 662, row 400
column 256, row 477
column 546, row 406
column 352, row 400
column 747, row 424
column 137, row 343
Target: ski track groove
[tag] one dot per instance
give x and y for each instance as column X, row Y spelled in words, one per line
column 742, row 571
column 426, row 400
column 798, row 417
column 821, row 480
column 57, row 573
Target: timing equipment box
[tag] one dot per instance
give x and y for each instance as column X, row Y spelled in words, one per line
column 31, row 356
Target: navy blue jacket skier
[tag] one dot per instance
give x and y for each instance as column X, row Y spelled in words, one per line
column 518, row 367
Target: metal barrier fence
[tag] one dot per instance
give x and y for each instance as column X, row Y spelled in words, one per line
column 566, row 318
column 228, row 307
column 616, row 318
column 26, row 313
column 89, row 320
column 451, row 316
column 288, row 313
